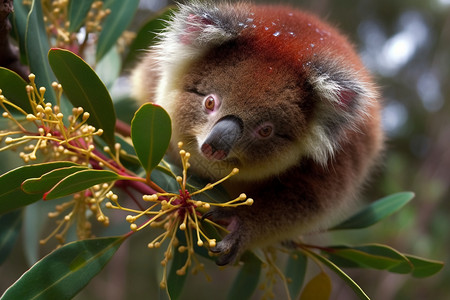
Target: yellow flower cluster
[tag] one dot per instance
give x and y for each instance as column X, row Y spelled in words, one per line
column 53, row 138
column 176, row 212
column 46, row 131
column 57, row 21
column 82, row 202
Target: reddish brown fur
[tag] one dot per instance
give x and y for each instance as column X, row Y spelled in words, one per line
column 283, row 66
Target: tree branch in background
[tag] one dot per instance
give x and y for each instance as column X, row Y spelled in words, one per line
column 9, row 54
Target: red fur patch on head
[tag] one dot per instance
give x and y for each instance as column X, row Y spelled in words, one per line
column 295, row 37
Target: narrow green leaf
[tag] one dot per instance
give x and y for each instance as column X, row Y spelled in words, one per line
column 376, row 211
column 375, row 256
column 147, row 35
column 108, row 68
column 246, row 282
column 48, row 180
column 150, row 133
column 19, row 24
column 122, row 12
column 33, row 229
column 318, row 288
column 296, row 271
column 78, row 11
column 424, row 267
column 37, row 46
column 13, row 196
column 175, row 282
column 352, row 284
column 65, row 271
column 83, row 88
column 80, row 181
column 10, row 225
column 13, row 88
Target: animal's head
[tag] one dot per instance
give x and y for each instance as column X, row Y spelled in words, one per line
column 258, row 88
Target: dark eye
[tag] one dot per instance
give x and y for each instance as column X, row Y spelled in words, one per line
column 211, row 103
column 265, row 131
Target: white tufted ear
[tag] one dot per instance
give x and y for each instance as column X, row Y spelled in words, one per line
column 193, row 30
column 342, row 102
column 197, row 27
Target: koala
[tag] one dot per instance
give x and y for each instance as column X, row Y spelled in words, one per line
column 277, row 93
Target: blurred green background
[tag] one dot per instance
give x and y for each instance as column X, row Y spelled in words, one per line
column 406, row 45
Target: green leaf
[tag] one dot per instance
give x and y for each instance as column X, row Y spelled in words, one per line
column 14, row 89
column 65, row 271
column 48, row 180
column 122, row 12
column 147, row 35
column 352, row 284
column 83, row 88
column 78, row 11
column 376, row 211
column 175, row 282
column 424, row 267
column 296, row 271
column 10, row 225
column 246, row 282
column 14, row 197
column 150, row 133
column 37, row 46
column 33, row 229
column 108, row 68
column 375, row 256
column 19, row 24
column 128, row 155
column 164, row 180
column 80, row 181
column 318, row 288
column 125, row 108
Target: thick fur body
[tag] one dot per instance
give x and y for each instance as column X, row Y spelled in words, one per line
column 305, row 112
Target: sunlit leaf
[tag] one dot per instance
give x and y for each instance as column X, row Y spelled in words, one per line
column 375, row 256
column 65, row 271
column 13, row 88
column 78, row 11
column 295, row 272
column 37, row 46
column 122, row 12
column 246, row 281
column 14, row 197
column 80, row 181
column 376, row 211
column 10, row 224
column 150, row 133
column 48, row 180
column 318, row 288
column 349, row 281
column 83, row 88
column 147, row 35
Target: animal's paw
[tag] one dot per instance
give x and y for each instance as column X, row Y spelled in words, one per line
column 230, row 247
column 227, row 249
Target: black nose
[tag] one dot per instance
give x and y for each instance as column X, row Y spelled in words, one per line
column 222, row 138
